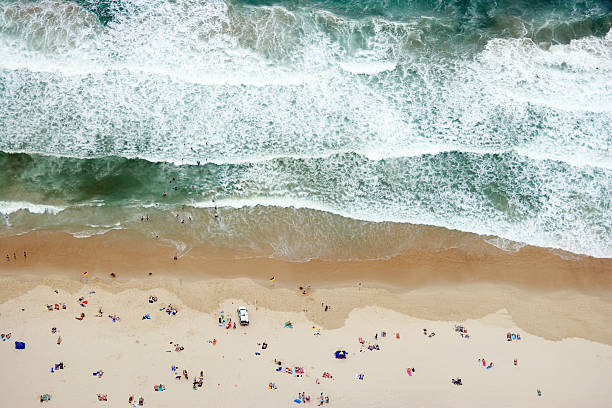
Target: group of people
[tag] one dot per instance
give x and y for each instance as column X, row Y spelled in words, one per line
column 198, row 382
column 462, row 331
column 171, row 310
column 513, row 336
column 303, row 398
column 56, row 306
column 134, row 404
column 8, row 258
column 484, row 363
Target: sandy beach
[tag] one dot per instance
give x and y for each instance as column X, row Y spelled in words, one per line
column 339, row 203
column 564, row 350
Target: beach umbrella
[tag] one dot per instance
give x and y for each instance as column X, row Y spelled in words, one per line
column 341, row 354
column 19, row 345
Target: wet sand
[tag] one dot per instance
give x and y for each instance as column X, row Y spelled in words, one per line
column 546, row 294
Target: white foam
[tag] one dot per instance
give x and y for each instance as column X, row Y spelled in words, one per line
column 367, row 68
column 505, row 244
column 92, row 232
column 509, row 237
column 9, row 207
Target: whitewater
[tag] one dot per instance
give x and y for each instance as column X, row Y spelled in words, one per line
column 309, row 123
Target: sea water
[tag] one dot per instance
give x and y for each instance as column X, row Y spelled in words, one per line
column 310, row 129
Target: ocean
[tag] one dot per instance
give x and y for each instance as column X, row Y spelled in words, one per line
column 306, row 130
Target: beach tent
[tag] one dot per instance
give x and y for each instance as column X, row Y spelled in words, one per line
column 19, row 345
column 341, row 354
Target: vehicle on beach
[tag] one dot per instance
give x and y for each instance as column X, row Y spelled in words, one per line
column 243, row 316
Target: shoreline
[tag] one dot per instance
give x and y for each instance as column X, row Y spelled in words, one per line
column 130, row 256
column 556, row 298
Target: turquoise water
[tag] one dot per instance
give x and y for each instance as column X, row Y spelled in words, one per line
column 319, row 129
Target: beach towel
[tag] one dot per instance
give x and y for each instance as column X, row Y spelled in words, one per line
column 297, row 401
column 19, row 345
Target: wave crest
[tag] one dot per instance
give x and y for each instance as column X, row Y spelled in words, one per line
column 48, row 25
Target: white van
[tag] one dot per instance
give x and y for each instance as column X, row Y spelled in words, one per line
column 243, row 316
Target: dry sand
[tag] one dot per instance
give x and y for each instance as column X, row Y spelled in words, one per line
column 133, row 354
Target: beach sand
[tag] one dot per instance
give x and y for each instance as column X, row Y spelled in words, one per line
column 561, row 307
